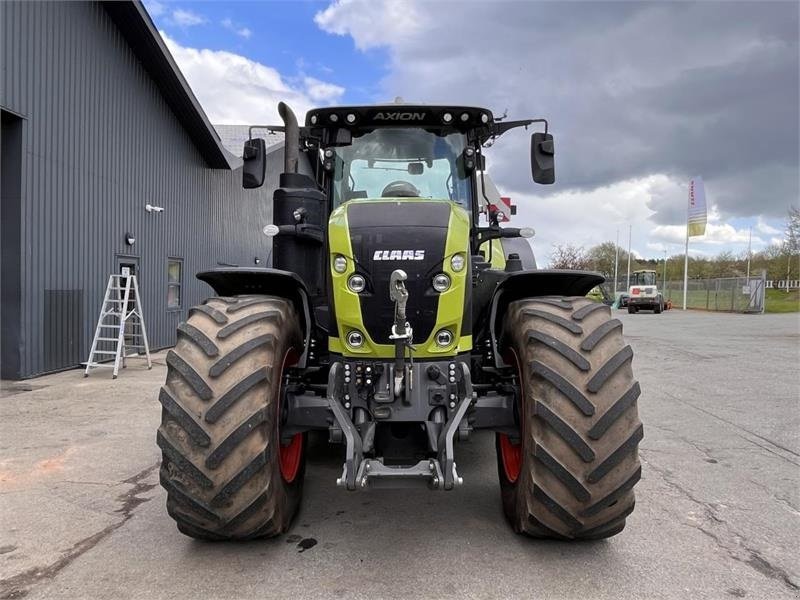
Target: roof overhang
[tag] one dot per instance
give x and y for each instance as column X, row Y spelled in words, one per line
column 142, row 36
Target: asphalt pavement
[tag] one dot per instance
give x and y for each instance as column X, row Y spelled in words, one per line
column 717, row 515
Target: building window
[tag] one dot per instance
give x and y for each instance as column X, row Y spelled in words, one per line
column 174, row 281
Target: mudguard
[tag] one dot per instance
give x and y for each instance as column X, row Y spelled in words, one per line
column 233, row 281
column 495, row 290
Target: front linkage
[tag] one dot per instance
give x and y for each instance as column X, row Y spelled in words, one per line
column 436, row 395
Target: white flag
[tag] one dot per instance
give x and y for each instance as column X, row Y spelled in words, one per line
column 696, row 222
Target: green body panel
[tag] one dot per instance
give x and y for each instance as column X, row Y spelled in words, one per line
column 450, row 312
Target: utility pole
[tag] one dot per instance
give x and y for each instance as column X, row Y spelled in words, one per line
column 749, row 246
column 630, row 229
column 664, row 280
column 616, row 264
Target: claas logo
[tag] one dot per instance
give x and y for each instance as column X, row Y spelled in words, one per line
column 399, row 255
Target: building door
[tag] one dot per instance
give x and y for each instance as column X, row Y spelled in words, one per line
column 11, row 157
column 126, row 266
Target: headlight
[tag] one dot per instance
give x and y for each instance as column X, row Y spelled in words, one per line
column 457, row 262
column 339, row 263
column 441, row 282
column 355, row 339
column 356, row 283
column 444, row 338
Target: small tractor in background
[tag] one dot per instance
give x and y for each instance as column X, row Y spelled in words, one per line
column 643, row 293
column 397, row 321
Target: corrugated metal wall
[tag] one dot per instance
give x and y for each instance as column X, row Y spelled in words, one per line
column 99, row 144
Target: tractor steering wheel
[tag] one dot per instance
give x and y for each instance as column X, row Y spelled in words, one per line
column 400, row 189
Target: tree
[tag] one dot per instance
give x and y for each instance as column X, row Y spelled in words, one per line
column 792, row 236
column 601, row 259
column 568, row 256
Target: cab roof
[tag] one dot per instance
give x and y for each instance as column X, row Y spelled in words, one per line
column 383, row 115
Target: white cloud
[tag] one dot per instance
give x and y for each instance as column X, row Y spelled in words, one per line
column 233, row 89
column 724, row 234
column 370, row 24
column 243, row 32
column 584, row 218
column 187, row 18
column 155, row 8
column 321, row 91
column 766, row 228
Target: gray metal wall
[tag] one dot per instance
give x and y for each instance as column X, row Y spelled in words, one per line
column 99, row 143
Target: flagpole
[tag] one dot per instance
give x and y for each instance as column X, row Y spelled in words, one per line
column 749, row 251
column 616, row 265
column 686, row 262
column 628, row 283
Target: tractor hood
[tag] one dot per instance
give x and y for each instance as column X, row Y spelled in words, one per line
column 415, row 235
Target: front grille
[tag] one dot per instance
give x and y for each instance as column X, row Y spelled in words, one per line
column 400, row 226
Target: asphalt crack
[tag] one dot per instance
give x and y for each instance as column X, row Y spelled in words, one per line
column 728, row 540
column 19, row 585
column 786, row 502
column 744, row 429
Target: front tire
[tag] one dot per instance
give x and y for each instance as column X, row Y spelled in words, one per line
column 571, row 473
column 226, row 474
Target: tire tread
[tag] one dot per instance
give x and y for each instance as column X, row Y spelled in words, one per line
column 582, row 424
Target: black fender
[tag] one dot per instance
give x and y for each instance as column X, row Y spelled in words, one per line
column 495, row 290
column 234, row 281
column 522, row 248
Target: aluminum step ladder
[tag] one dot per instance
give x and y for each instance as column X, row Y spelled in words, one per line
column 121, row 316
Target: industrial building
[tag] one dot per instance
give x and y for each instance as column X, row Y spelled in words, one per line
column 108, row 162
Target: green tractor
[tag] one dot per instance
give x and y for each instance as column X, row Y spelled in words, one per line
column 399, row 318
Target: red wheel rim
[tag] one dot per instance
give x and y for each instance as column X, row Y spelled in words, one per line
column 511, row 453
column 291, row 454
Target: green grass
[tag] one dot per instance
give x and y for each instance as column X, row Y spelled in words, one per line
column 778, row 301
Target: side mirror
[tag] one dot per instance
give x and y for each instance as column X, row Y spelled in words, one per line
column 542, row 161
column 255, row 163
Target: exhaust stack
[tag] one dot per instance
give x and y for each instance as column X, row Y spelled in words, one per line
column 291, row 144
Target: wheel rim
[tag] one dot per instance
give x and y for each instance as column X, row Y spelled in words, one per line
column 511, row 453
column 291, row 454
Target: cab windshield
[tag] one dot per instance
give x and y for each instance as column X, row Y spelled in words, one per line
column 402, row 163
column 646, row 278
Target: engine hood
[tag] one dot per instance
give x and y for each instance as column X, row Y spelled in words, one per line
column 414, row 235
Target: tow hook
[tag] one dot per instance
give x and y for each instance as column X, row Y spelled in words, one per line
column 402, row 334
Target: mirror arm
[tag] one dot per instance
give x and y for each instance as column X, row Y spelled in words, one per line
column 484, row 234
column 499, row 129
column 312, row 233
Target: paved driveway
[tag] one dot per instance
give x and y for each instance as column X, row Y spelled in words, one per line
column 718, row 510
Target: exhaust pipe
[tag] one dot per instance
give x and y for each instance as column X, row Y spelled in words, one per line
column 291, row 144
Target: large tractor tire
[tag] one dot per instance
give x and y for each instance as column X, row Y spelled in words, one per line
column 226, row 474
column 571, row 473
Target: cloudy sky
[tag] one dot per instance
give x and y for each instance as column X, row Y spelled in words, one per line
column 641, row 97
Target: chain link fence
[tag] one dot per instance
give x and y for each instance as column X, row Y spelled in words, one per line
column 726, row 294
